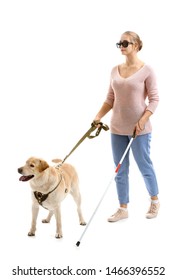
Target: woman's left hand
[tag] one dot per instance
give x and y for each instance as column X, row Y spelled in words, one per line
column 139, row 127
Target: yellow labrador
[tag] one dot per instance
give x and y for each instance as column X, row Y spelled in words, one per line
column 50, row 185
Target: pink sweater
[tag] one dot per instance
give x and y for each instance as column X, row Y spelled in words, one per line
column 128, row 97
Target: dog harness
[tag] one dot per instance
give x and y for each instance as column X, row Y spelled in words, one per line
column 41, row 197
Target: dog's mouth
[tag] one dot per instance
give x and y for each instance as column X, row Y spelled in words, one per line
column 26, row 178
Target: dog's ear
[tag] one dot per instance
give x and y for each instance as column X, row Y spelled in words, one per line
column 43, row 165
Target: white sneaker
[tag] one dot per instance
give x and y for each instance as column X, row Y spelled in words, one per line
column 119, row 215
column 153, row 210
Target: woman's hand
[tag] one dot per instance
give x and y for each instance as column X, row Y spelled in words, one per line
column 96, row 122
column 140, row 126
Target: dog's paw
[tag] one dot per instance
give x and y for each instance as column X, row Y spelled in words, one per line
column 58, row 235
column 45, row 221
column 31, row 233
column 83, row 223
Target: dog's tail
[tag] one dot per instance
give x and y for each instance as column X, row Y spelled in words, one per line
column 56, row 160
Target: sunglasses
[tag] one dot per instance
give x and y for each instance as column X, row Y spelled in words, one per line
column 124, row 44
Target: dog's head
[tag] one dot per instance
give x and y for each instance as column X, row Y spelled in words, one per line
column 33, row 167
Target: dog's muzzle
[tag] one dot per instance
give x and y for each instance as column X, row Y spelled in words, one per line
column 24, row 178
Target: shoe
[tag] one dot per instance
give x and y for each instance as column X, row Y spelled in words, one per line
column 119, row 215
column 153, row 210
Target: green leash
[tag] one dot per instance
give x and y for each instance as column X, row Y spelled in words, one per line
column 95, row 125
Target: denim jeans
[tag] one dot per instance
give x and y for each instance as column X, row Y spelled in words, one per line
column 141, row 151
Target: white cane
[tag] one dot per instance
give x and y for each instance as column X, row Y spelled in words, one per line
column 116, row 171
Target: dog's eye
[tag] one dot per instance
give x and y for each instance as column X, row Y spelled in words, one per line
column 31, row 165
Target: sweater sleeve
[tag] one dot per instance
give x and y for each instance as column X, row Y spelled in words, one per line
column 152, row 91
column 110, row 95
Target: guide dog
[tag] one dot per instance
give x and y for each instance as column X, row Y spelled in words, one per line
column 50, row 185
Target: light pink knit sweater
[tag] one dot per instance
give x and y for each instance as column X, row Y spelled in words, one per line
column 128, row 97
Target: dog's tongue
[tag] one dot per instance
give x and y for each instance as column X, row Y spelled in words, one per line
column 25, row 178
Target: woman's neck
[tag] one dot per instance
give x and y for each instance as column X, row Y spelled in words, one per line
column 133, row 61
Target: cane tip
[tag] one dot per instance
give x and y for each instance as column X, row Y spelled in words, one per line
column 78, row 243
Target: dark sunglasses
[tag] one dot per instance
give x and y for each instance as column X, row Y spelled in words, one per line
column 124, row 44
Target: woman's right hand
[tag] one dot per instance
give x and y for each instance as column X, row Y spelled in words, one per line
column 96, row 122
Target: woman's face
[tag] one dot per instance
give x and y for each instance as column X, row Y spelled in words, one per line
column 127, row 46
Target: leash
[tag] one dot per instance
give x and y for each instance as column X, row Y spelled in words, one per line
column 95, row 125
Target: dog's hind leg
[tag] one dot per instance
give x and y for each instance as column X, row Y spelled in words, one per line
column 47, row 220
column 77, row 198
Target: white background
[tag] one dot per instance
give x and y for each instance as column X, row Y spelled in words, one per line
column 55, row 63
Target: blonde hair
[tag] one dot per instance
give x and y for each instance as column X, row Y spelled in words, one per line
column 135, row 38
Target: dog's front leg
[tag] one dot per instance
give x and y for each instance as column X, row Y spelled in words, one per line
column 57, row 214
column 35, row 210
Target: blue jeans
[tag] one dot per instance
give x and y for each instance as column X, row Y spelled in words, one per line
column 141, row 151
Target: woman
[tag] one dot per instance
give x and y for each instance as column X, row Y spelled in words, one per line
column 131, row 84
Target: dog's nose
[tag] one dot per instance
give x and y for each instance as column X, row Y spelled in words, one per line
column 20, row 170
